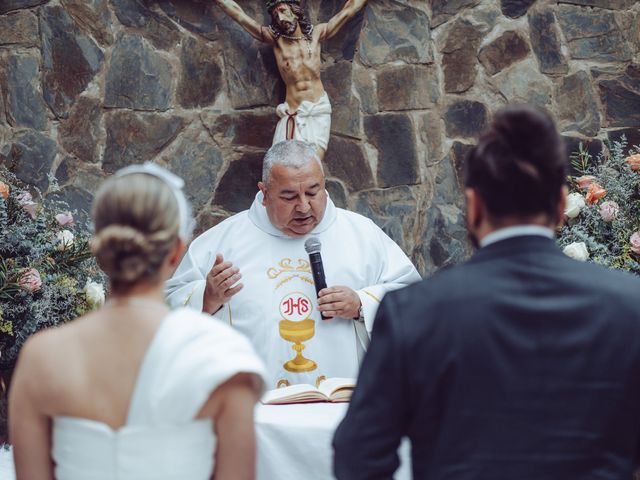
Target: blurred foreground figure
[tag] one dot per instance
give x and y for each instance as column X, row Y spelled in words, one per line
column 133, row 390
column 521, row 363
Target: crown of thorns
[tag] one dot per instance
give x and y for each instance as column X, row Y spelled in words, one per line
column 272, row 3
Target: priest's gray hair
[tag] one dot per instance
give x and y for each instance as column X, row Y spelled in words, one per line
column 289, row 153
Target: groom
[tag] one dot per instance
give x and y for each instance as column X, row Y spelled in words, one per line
column 519, row 364
column 306, row 113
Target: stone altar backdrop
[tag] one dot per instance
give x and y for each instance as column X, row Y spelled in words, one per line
column 88, row 86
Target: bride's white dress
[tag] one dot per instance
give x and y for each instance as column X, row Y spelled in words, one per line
column 189, row 356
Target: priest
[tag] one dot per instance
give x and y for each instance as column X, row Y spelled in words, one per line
column 252, row 272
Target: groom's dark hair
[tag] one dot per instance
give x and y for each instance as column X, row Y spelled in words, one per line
column 519, row 165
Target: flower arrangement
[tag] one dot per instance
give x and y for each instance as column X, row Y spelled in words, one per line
column 48, row 275
column 603, row 209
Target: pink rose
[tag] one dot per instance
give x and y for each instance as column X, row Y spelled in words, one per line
column 64, row 219
column 633, row 161
column 584, row 181
column 30, row 280
column 609, row 210
column 25, row 200
column 635, row 242
column 4, row 190
column 595, row 192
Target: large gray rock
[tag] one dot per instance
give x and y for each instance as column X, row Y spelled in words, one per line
column 432, row 135
column 337, row 192
column 394, row 31
column 545, row 41
column 444, row 238
column 251, row 72
column 465, row 118
column 524, row 83
column 577, row 105
column 345, row 118
column 24, row 103
column 19, row 29
column 30, row 157
column 196, row 17
column 364, row 82
column 631, row 137
column 343, row 45
column 458, row 156
column 138, row 77
column 444, row 10
column 70, row 59
column 515, row 8
column 395, row 210
column 239, row 185
column 408, row 87
column 201, row 76
column 137, row 137
column 79, row 134
column 593, row 34
column 504, row 51
column 620, row 95
column 203, row 161
column 459, row 59
column 158, row 29
column 609, row 4
column 250, row 128
column 593, row 146
column 92, row 16
column 9, row 5
column 394, row 137
column 347, row 160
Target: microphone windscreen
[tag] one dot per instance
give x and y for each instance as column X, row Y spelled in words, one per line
column 312, row 245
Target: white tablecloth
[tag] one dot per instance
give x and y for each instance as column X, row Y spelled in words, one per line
column 294, row 441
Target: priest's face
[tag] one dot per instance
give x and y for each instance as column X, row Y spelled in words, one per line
column 295, row 198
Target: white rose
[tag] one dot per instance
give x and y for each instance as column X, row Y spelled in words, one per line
column 577, row 251
column 94, row 293
column 65, row 239
column 575, row 203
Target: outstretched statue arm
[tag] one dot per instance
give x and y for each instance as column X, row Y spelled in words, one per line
column 333, row 26
column 235, row 11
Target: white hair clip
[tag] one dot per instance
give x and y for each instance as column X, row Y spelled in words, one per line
column 175, row 183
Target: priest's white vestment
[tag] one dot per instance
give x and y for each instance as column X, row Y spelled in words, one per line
column 279, row 289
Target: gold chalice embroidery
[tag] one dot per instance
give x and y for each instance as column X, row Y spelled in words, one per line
column 297, row 327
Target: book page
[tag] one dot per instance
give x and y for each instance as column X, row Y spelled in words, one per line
column 293, row 394
column 337, row 388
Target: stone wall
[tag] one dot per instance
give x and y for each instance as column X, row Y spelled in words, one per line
column 88, row 86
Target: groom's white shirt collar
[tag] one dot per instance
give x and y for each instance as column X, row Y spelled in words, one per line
column 516, row 231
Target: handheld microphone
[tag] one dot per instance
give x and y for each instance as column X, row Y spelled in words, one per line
column 312, row 246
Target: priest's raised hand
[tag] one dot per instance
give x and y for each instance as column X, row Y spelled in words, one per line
column 221, row 285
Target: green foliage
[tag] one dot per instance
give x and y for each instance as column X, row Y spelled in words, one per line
column 607, row 241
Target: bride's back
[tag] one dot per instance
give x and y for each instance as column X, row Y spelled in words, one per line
column 132, row 391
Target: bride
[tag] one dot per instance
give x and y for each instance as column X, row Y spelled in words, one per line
column 133, row 390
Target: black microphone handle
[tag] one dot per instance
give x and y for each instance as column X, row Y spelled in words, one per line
column 318, row 274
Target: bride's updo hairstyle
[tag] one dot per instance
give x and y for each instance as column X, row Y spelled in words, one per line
column 138, row 215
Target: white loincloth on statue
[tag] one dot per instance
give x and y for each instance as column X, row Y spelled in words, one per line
column 312, row 122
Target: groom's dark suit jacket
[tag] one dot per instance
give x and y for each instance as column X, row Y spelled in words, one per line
column 519, row 364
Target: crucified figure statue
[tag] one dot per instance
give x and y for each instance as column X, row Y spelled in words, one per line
column 306, row 112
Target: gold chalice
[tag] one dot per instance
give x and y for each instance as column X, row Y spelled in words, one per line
column 298, row 332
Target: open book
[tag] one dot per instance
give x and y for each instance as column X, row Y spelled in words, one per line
column 330, row 390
